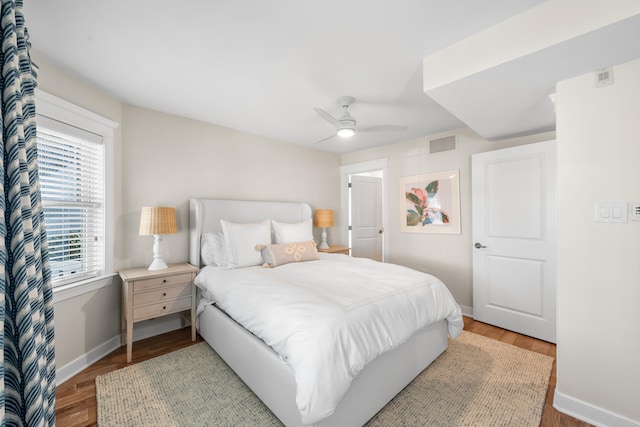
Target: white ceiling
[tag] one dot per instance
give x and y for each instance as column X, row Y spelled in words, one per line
column 261, row 66
column 514, row 97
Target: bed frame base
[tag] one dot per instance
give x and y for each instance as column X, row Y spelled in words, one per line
column 273, row 381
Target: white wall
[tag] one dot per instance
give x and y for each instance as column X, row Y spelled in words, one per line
column 447, row 256
column 598, row 350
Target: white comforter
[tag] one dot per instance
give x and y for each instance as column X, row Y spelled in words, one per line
column 329, row 318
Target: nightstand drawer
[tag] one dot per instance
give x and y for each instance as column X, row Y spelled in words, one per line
column 163, row 294
column 158, row 282
column 162, row 308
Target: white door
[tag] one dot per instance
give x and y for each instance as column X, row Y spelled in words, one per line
column 514, row 235
column 366, row 217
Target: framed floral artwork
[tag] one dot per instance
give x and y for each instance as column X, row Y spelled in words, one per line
column 431, row 203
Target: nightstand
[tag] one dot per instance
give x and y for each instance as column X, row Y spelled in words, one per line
column 336, row 250
column 147, row 294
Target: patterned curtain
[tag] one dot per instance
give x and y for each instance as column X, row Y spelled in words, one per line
column 27, row 371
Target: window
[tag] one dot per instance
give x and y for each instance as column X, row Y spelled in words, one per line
column 75, row 156
column 71, row 170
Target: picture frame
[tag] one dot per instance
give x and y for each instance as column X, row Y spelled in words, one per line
column 430, row 203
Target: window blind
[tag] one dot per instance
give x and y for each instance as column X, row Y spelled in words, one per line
column 71, row 171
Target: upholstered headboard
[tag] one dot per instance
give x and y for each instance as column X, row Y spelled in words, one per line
column 205, row 216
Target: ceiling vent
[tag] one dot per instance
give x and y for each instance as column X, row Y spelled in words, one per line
column 446, row 143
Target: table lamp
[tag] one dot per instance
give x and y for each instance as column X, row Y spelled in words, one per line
column 323, row 218
column 157, row 221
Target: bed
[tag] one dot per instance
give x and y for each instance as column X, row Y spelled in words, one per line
column 262, row 368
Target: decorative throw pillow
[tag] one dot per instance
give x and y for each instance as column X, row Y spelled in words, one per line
column 296, row 232
column 241, row 241
column 213, row 250
column 284, row 253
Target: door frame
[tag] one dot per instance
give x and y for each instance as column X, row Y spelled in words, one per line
column 355, row 168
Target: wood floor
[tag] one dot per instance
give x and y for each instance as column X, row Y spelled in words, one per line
column 76, row 398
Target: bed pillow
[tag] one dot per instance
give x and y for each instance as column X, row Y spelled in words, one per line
column 241, row 240
column 284, row 253
column 213, row 250
column 296, row 232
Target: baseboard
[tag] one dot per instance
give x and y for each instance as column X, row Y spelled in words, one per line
column 589, row 413
column 467, row 311
column 142, row 330
column 72, row 368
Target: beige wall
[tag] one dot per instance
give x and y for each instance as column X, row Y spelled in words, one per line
column 87, row 321
column 599, row 264
column 162, row 159
column 168, row 159
column 447, row 256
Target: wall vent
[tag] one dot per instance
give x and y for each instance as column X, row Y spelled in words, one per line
column 604, row 77
column 446, row 143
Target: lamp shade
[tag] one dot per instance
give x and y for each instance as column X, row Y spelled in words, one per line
column 323, row 218
column 157, row 220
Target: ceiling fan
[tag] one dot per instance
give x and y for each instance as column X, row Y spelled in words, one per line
column 346, row 125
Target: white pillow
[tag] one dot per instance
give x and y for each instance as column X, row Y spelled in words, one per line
column 213, row 250
column 297, row 232
column 241, row 241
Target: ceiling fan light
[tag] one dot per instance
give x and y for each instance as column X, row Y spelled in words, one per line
column 346, row 132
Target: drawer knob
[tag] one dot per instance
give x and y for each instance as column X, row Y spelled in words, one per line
column 164, row 280
column 164, row 294
column 164, row 307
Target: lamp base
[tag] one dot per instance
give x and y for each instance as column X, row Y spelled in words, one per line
column 158, row 263
column 323, row 242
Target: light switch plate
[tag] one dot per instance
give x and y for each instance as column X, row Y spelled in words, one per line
column 611, row 211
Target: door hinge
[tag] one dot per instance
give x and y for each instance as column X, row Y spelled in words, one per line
column 349, row 228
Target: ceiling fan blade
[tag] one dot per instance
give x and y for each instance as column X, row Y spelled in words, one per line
column 328, row 117
column 327, row 138
column 382, row 128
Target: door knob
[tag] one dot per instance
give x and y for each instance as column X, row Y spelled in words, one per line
column 479, row 246
column 379, row 231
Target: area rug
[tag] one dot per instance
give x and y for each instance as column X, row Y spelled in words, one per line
column 476, row 382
